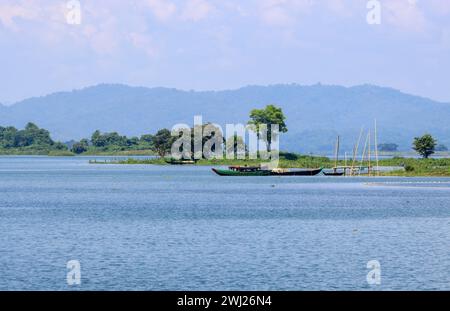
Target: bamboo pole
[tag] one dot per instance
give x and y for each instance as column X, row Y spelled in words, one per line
column 368, row 168
column 376, row 149
column 345, row 163
column 336, row 154
column 364, row 153
column 355, row 150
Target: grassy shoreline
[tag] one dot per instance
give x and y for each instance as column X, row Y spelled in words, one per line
column 66, row 153
column 410, row 167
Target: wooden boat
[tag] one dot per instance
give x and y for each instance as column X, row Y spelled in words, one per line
column 305, row 172
column 250, row 171
column 257, row 171
column 334, row 173
column 180, row 162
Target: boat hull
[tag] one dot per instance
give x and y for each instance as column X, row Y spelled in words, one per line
column 334, row 174
column 267, row 173
column 236, row 173
column 180, row 162
column 298, row 173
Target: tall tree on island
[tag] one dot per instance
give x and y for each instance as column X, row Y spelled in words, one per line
column 268, row 116
column 425, row 145
column 162, row 142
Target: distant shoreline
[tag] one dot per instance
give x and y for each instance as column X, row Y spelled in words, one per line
column 131, row 153
column 407, row 167
column 402, row 167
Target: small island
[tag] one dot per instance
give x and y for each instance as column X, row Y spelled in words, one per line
column 33, row 140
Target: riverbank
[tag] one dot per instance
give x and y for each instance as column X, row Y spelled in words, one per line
column 407, row 167
column 66, row 153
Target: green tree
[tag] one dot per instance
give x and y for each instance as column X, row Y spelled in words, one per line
column 32, row 139
column 425, row 145
column 80, row 147
column 268, row 116
column 8, row 136
column 146, row 139
column 162, row 142
column 133, row 141
column 110, row 140
column 97, row 139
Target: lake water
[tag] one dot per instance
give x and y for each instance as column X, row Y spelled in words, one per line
column 184, row 228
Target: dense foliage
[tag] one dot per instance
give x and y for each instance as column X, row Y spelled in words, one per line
column 30, row 140
column 425, row 145
column 113, row 143
column 267, row 116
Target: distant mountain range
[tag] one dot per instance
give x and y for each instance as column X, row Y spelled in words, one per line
column 315, row 114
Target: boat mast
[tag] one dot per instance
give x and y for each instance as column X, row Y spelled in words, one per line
column 355, row 150
column 363, row 154
column 376, row 148
column 336, row 155
column 368, row 169
column 345, row 163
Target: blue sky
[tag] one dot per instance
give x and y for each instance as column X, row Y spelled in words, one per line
column 222, row 44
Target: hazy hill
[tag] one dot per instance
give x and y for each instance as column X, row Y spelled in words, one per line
column 315, row 114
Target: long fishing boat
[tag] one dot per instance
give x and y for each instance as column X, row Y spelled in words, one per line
column 241, row 171
column 258, row 171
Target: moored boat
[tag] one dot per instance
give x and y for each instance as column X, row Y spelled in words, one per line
column 334, row 173
column 303, row 172
column 258, row 171
column 249, row 172
column 180, row 162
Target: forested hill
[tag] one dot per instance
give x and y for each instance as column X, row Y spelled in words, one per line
column 315, row 114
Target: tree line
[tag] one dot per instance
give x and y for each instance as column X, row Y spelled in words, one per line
column 33, row 139
column 36, row 140
column 30, row 138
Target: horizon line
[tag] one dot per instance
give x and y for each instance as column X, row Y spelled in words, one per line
column 320, row 84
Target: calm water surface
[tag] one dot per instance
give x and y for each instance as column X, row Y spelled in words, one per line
column 183, row 228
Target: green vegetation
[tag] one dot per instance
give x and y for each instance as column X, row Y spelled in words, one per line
column 161, row 142
column 30, row 141
column 418, row 167
column 287, row 160
column 36, row 141
column 425, row 145
column 267, row 116
column 114, row 144
column 408, row 167
column 33, row 140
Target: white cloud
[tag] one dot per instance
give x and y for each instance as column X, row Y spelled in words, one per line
column 441, row 7
column 404, row 14
column 283, row 12
column 343, row 8
column 288, row 12
column 144, row 42
column 196, row 10
column 12, row 12
column 163, row 10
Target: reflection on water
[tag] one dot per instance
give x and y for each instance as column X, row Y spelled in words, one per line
column 170, row 227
